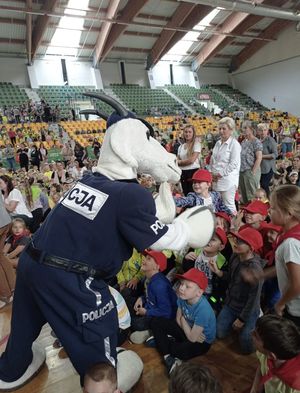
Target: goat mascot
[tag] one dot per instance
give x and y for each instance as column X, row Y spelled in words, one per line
column 62, row 274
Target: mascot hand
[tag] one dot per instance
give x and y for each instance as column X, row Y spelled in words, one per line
column 201, row 224
column 165, row 205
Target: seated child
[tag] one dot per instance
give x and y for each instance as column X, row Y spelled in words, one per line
column 223, row 221
column 255, row 214
column 192, row 378
column 103, row 377
column 270, row 290
column 200, row 259
column 159, row 299
column 194, row 329
column 277, row 341
column 242, row 302
column 261, row 195
column 16, row 243
column 202, row 196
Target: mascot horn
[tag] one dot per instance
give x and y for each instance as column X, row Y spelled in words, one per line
column 63, row 274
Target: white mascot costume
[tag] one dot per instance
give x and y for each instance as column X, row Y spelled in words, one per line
column 63, row 273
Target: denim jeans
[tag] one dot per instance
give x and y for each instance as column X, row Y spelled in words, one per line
column 11, row 164
column 286, row 148
column 224, row 326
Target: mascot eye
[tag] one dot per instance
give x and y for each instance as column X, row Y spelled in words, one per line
column 148, row 135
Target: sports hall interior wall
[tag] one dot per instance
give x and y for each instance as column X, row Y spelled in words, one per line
column 273, row 72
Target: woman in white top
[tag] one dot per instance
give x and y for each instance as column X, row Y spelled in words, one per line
column 77, row 170
column 14, row 201
column 225, row 163
column 188, row 158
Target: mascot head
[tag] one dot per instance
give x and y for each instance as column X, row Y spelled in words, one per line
column 129, row 146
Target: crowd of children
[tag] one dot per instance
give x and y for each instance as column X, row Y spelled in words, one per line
column 250, row 266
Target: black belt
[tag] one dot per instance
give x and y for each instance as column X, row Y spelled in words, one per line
column 64, row 263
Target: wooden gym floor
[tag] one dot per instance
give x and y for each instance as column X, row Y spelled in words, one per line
column 234, row 371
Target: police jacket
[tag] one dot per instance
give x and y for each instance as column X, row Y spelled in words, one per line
column 99, row 221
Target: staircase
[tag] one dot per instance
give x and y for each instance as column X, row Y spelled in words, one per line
column 32, row 95
column 180, row 101
column 109, row 92
column 231, row 101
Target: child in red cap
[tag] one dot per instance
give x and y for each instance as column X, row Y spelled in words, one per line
column 202, row 196
column 159, row 299
column 254, row 214
column 242, row 302
column 194, row 329
column 201, row 258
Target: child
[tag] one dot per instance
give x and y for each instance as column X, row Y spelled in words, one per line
column 192, row 378
column 16, row 243
column 101, row 377
column 223, row 221
column 292, row 177
column 277, row 341
column 160, row 299
column 242, row 302
column 261, row 195
column 270, row 290
column 200, row 259
column 194, row 329
column 202, row 196
column 285, row 211
column 255, row 213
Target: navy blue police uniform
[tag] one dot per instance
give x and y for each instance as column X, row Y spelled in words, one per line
column 62, row 275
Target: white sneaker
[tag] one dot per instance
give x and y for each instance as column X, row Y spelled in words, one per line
column 139, row 337
column 38, row 360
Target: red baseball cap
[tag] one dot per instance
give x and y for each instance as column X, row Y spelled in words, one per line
column 224, row 215
column 269, row 226
column 159, row 257
column 195, row 276
column 257, row 207
column 202, row 175
column 221, row 235
column 250, row 236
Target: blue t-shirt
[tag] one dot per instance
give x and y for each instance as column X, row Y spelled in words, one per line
column 99, row 221
column 200, row 314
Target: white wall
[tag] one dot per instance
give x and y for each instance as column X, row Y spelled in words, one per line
column 14, row 71
column 48, row 72
column 161, row 74
column 137, row 74
column 110, row 73
column 80, row 73
column 272, row 75
column 212, row 75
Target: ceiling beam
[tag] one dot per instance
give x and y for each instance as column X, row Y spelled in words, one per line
column 29, row 33
column 13, row 21
column 272, row 31
column 130, row 11
column 141, row 34
column 182, row 12
column 136, row 50
column 15, row 41
column 216, row 43
column 168, row 38
column 105, row 29
column 41, row 25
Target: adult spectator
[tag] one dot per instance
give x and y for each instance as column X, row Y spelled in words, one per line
column 188, row 157
column 96, row 146
column 67, row 153
column 79, row 152
column 9, row 155
column 251, row 156
column 286, row 139
column 60, row 175
column 14, row 201
column 44, row 152
column 23, row 156
column 35, row 156
column 269, row 155
column 225, row 163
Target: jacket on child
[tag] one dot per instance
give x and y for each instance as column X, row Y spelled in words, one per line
column 160, row 299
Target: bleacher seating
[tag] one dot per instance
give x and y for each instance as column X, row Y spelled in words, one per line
column 145, row 101
column 11, row 95
column 245, row 102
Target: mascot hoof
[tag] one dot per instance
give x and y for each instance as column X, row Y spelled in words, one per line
column 129, row 369
column 33, row 369
column 201, row 224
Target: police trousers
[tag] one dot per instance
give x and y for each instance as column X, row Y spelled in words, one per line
column 80, row 310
